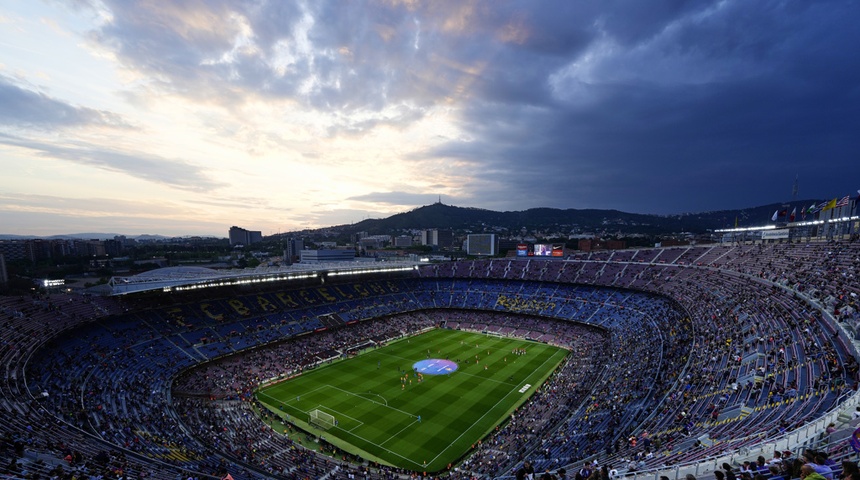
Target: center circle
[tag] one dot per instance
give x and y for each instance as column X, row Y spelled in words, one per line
column 434, row 366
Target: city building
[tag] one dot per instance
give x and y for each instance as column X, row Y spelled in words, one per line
column 36, row 249
column 508, row 245
column 441, row 239
column 335, row 255
column 374, row 241
column 90, row 248
column 483, row 244
column 403, row 241
column 4, row 274
column 597, row 243
column 356, row 237
column 14, row 250
column 292, row 250
column 240, row 236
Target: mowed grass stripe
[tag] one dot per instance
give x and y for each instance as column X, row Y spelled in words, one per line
column 377, row 416
column 478, row 406
column 498, row 410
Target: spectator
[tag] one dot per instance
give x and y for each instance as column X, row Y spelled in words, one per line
column 809, row 473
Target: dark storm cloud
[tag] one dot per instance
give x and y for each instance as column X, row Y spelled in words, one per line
column 720, row 107
column 24, row 107
column 171, row 172
column 657, row 106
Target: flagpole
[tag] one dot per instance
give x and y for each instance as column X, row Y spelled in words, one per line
column 794, row 189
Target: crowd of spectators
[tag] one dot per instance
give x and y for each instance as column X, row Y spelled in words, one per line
column 730, row 347
column 757, row 346
column 263, row 446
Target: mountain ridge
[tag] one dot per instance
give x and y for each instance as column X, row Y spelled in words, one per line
column 89, row 236
column 443, row 216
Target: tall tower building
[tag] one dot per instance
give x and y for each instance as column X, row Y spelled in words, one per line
column 4, row 275
column 292, row 250
column 240, row 236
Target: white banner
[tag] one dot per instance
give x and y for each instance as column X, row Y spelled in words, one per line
column 774, row 234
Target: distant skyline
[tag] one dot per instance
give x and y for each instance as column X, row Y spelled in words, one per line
column 187, row 117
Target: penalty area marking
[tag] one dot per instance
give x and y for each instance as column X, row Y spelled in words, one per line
column 380, row 445
column 290, row 402
column 399, row 432
column 362, row 395
column 343, row 415
column 350, row 432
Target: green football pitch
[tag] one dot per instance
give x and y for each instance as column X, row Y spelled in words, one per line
column 385, row 412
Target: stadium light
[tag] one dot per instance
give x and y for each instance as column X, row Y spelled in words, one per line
column 746, row 229
column 375, row 270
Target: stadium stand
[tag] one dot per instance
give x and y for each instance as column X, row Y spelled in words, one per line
column 682, row 359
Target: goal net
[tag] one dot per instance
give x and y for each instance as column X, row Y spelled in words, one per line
column 321, row 419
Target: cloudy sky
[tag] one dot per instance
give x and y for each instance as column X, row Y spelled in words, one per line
column 187, row 117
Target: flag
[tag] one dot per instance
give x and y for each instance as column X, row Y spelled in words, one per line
column 775, row 213
column 783, row 212
column 843, row 201
column 855, row 440
column 830, row 205
column 736, row 221
column 820, row 207
column 811, row 209
column 793, row 215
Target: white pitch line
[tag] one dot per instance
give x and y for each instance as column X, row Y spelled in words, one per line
column 398, row 433
column 380, row 445
column 409, row 414
column 376, row 395
column 481, row 417
column 486, row 379
column 387, row 450
column 371, row 401
column 290, row 402
column 458, row 371
column 323, row 407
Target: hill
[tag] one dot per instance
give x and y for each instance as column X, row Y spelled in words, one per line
column 450, row 217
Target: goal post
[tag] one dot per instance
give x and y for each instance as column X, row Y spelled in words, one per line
column 318, row 418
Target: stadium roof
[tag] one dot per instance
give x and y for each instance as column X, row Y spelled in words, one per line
column 177, row 272
column 188, row 278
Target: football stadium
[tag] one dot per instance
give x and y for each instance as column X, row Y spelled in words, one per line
column 641, row 363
